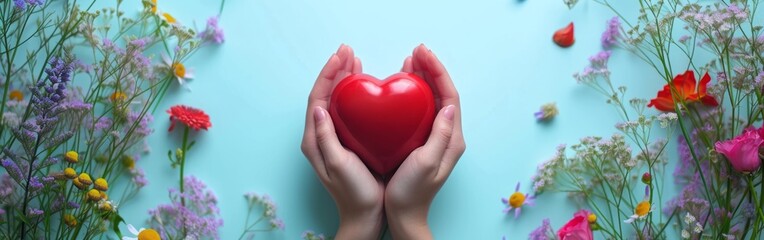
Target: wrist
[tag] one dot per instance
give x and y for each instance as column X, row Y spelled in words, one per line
column 355, row 225
column 409, row 224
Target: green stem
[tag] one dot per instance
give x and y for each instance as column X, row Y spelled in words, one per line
column 182, row 161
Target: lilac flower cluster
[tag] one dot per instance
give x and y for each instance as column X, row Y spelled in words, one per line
column 23, row 4
column 612, row 33
column 198, row 218
column 268, row 207
column 542, row 232
column 597, row 68
column 213, row 33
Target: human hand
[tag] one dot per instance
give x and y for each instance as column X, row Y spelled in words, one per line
column 357, row 193
column 412, row 188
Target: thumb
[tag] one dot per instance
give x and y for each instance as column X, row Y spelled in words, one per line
column 440, row 136
column 330, row 145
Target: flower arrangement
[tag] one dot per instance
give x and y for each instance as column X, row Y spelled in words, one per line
column 79, row 87
column 620, row 181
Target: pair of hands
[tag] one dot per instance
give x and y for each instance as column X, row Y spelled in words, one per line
column 362, row 199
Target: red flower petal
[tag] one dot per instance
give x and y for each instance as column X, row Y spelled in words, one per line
column 564, row 37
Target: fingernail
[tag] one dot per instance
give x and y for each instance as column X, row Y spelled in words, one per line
column 449, row 112
column 319, row 114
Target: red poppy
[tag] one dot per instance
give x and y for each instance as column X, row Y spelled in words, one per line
column 191, row 117
column 686, row 92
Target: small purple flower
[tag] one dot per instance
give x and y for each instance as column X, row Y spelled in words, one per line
column 213, row 32
column 20, row 4
column 138, row 177
column 517, row 200
column 35, row 183
column 541, row 233
column 277, row 223
column 33, row 212
column 199, row 218
column 612, row 33
column 13, row 169
column 6, row 186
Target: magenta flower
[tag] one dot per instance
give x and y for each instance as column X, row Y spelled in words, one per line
column 517, row 200
column 577, row 228
column 742, row 151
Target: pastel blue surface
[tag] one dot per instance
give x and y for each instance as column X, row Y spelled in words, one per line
column 498, row 52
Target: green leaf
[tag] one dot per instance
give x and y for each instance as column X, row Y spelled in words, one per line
column 191, row 145
column 115, row 220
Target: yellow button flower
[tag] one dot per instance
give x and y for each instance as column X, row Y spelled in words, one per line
column 70, row 173
column 72, row 157
column 101, row 184
column 128, row 162
column 70, row 221
column 78, row 184
column 591, row 218
column 94, row 195
column 85, row 179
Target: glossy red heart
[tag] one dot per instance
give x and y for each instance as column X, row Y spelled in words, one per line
column 382, row 121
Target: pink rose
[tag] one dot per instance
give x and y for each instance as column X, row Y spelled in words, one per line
column 742, row 151
column 577, row 228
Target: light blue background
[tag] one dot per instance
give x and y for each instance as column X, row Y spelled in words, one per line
column 498, row 52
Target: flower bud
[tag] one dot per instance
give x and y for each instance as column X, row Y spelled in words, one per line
column 647, row 178
column 101, row 184
column 70, row 173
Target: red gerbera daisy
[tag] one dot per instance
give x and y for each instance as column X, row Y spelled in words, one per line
column 191, row 117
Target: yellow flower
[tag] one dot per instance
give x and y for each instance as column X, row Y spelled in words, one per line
column 154, row 6
column 72, row 157
column 70, row 173
column 169, row 18
column 101, row 184
column 94, row 195
column 78, row 184
column 591, row 218
column 118, row 97
column 70, row 221
column 16, row 95
column 128, row 162
column 142, row 234
column 104, row 196
column 85, row 179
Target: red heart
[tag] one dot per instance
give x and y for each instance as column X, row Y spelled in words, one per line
column 382, row 121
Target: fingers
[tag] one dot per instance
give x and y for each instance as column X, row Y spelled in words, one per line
column 425, row 61
column 322, row 88
column 441, row 134
column 319, row 97
column 357, row 67
column 328, row 143
column 407, row 67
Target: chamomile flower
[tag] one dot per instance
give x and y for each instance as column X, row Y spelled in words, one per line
column 642, row 209
column 178, row 70
column 142, row 234
column 169, row 19
column 517, row 200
